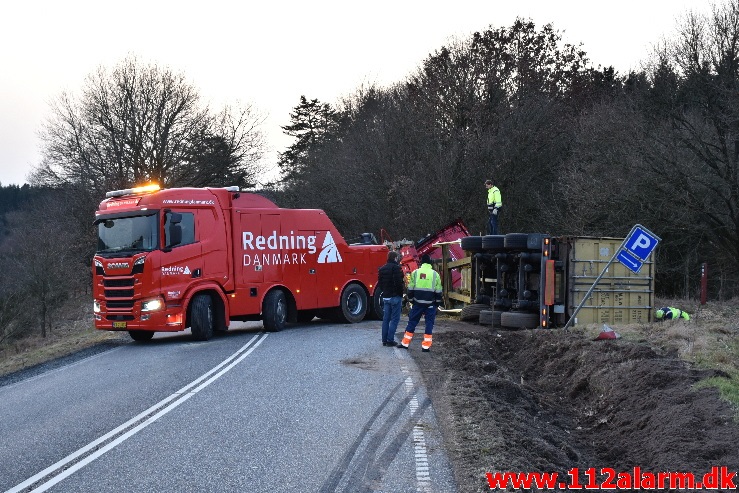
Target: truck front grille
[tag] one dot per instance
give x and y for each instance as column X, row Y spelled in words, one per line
column 120, row 304
column 118, row 283
column 119, row 293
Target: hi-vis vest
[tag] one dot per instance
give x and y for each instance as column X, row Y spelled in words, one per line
column 424, row 286
column 494, row 198
column 674, row 313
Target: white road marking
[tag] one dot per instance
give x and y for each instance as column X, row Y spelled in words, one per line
column 179, row 397
column 423, row 478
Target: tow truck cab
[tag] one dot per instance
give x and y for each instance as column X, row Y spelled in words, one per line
column 201, row 257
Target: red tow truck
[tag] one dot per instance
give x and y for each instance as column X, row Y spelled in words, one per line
column 169, row 259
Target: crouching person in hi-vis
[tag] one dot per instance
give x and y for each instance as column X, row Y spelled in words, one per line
column 424, row 291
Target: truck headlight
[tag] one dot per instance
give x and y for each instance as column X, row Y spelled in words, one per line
column 95, row 306
column 152, row 305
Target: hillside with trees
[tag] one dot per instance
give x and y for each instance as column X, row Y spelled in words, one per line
column 576, row 150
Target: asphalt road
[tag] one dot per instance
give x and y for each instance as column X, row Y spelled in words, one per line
column 314, row 408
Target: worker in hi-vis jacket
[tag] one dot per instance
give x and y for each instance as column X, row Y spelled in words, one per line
column 424, row 291
column 670, row 313
column 495, row 202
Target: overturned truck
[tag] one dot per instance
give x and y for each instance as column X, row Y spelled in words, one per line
column 529, row 280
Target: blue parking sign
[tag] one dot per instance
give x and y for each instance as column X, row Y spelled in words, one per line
column 631, row 262
column 641, row 242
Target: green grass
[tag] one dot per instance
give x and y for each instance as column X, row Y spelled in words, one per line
column 728, row 389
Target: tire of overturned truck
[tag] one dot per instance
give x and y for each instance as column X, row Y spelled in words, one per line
column 519, row 320
column 471, row 243
column 353, row 305
column 486, row 317
column 141, row 335
column 516, row 241
column 274, row 311
column 201, row 317
column 471, row 313
column 493, row 243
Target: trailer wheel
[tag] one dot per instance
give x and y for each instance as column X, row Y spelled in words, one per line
column 518, row 320
column 274, row 311
column 141, row 335
column 524, row 241
column 201, row 316
column 494, row 243
column 471, row 313
column 353, row 306
column 486, row 317
column 471, row 244
column 518, row 241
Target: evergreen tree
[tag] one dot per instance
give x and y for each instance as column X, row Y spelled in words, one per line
column 312, row 125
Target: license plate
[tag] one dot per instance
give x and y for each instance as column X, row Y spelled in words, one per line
column 119, row 325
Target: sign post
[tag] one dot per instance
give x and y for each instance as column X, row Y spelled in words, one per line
column 632, row 253
column 636, row 248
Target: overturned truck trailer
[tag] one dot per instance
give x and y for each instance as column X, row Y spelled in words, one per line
column 528, row 280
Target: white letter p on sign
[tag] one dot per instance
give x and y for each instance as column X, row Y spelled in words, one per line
column 641, row 242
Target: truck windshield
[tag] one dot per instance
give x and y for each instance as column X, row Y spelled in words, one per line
column 138, row 233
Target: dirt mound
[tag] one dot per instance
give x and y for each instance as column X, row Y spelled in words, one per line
column 548, row 401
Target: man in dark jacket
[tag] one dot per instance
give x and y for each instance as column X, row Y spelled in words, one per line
column 390, row 286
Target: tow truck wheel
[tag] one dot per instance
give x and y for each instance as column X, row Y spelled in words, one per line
column 141, row 335
column 274, row 311
column 377, row 311
column 201, row 317
column 353, row 306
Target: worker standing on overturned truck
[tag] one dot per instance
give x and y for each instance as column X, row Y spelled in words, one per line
column 495, row 202
column 424, row 291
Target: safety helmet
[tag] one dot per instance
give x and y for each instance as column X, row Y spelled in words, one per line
column 659, row 313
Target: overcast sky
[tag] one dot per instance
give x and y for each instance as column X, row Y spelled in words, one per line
column 269, row 53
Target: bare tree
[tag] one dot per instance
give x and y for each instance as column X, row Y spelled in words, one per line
column 138, row 123
column 694, row 152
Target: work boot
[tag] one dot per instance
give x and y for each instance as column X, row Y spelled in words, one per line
column 406, row 339
column 426, row 344
column 391, row 344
